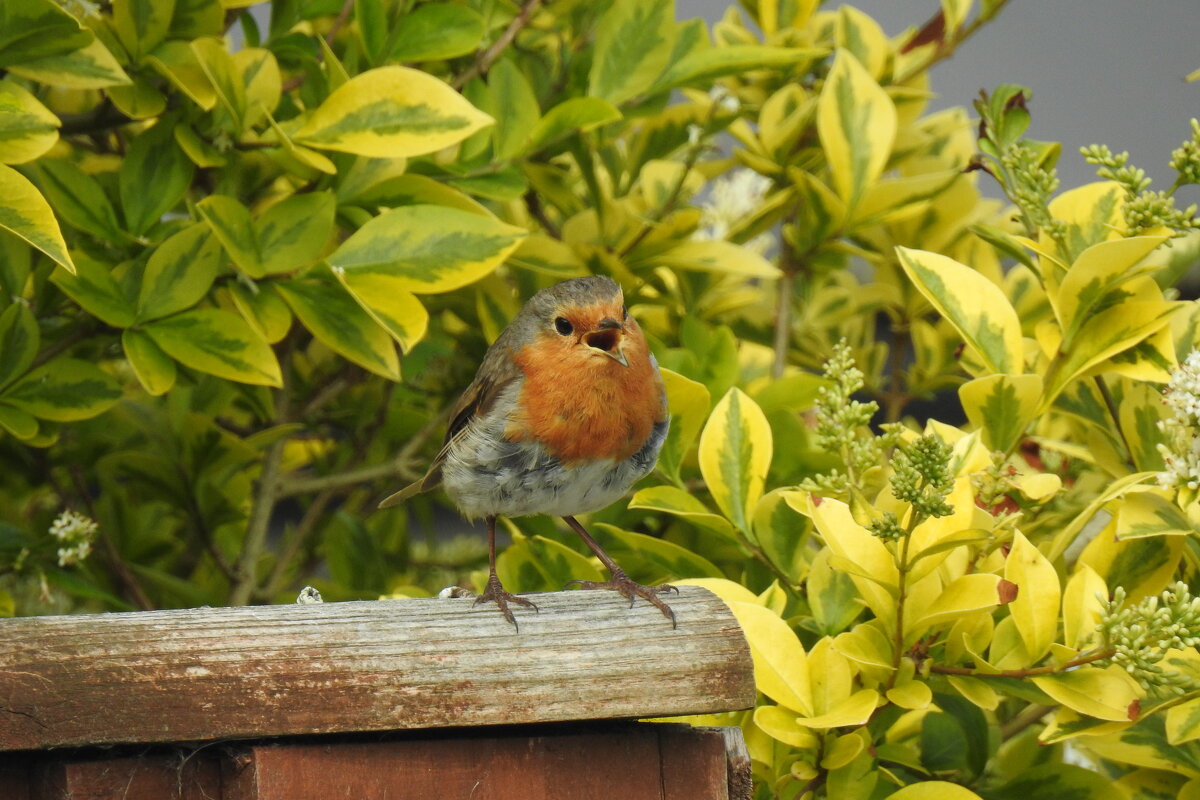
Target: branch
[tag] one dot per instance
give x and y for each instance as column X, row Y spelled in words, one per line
column 946, row 48
column 124, row 575
column 483, row 61
column 1029, row 672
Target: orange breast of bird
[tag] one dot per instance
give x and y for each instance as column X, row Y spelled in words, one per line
column 582, row 406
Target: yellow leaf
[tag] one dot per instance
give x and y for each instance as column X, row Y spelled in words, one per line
column 26, row 213
column 830, row 676
column 856, row 121
column 861, row 35
column 1183, row 722
column 913, row 694
column 780, row 723
column 934, row 790
column 27, row 128
column 1097, row 271
column 976, row 307
column 719, row 257
column 1035, row 611
column 1001, row 406
column 1082, row 606
column 854, row 710
column 399, row 312
column 975, row 690
column 962, row 596
column 866, row 645
column 1102, row 693
column 780, row 663
column 391, row 112
column 735, row 454
column 841, row 750
column 853, row 543
column 1144, row 566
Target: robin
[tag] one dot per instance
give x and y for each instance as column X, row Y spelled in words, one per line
column 566, row 412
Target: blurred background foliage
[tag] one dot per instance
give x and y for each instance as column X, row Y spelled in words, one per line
column 920, row 443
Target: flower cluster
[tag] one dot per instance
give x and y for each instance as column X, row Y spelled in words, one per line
column 733, row 198
column 1141, row 635
column 1145, row 210
column 1186, row 159
column 74, row 532
column 922, row 476
column 1180, row 447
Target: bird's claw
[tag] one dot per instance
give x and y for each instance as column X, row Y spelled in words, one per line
column 496, row 593
column 631, row 590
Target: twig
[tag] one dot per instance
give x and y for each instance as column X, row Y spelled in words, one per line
column 1028, row 672
column 483, row 61
column 533, row 204
column 1115, row 413
column 1029, row 715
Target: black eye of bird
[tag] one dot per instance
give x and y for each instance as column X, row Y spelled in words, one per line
column 563, row 326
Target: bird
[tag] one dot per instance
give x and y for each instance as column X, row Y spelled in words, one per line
column 566, row 412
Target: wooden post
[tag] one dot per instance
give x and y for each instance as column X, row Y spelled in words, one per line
column 482, row 703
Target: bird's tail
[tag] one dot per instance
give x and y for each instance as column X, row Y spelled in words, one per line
column 431, row 481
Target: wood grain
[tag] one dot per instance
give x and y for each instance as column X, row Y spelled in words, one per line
column 253, row 672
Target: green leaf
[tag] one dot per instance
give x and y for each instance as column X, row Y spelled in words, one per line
column 659, row 559
column 217, row 342
column 1094, row 275
column 1151, row 514
column 413, row 190
column 437, row 31
column 153, row 176
column 142, row 24
column 372, row 27
column 689, row 402
column 193, row 18
column 704, row 64
column 1183, row 722
column 575, row 114
column 64, row 390
column 231, row 224
column 31, row 30
column 19, row 339
column 428, row 249
column 263, row 309
column 89, row 67
column 512, row 92
column 391, row 112
column 673, row 500
column 1058, row 782
column 217, row 64
column 138, row 101
column 943, row 744
column 336, row 319
column 79, row 199
column 735, row 454
column 153, row 368
column 856, row 121
column 976, row 307
column 293, row 232
column 179, row 273
column 24, row 212
column 93, row 287
column 178, row 63
column 27, row 128
column 17, row 422
column 633, row 45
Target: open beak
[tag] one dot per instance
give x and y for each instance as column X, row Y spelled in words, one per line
column 608, row 338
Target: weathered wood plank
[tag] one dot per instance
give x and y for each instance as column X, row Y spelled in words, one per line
column 253, row 672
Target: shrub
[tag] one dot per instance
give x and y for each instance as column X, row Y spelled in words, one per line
column 212, row 260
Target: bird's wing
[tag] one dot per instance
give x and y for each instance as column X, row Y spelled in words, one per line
column 495, row 374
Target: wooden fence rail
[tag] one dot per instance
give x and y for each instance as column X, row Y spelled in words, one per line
column 270, row 674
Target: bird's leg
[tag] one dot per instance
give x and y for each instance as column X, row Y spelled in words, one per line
column 620, row 581
column 495, row 591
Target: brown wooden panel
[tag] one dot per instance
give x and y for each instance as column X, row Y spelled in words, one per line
column 16, row 772
column 153, row 776
column 639, row 762
column 268, row 671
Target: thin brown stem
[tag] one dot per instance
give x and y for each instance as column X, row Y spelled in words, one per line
column 484, row 60
column 1030, row 715
column 1113, row 412
column 1028, row 672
